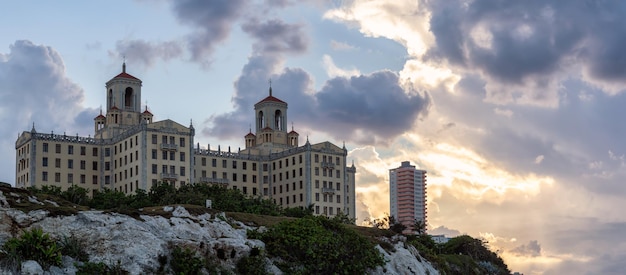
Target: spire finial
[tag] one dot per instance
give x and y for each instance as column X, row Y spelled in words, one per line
column 124, row 64
column 33, row 129
column 270, row 86
column 292, row 126
column 250, row 127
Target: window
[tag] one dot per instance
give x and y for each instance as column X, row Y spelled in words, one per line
column 253, row 190
column 182, row 142
column 223, row 163
column 300, row 171
column 154, row 154
column 182, row 171
column 214, row 162
column 44, row 162
column 323, row 172
column 264, row 167
column 70, row 164
column 244, row 178
column 45, row 147
column 82, row 165
column 154, row 139
column 338, row 198
column 164, row 139
column 172, row 155
column 94, row 179
column 83, row 150
column 234, row 176
column 234, row 164
column 317, row 158
column 164, row 155
column 244, row 165
column 317, row 171
column 58, row 148
column 300, row 184
column 317, row 196
column 300, row 158
column 70, row 149
column 107, row 165
column 107, row 152
column 57, row 177
column 94, row 166
column 214, row 175
column 203, row 161
column 245, row 190
column 182, row 156
column 224, row 176
column 253, row 166
column 337, row 174
column 337, row 161
column 44, row 176
column 94, row 152
column 253, row 178
column 57, row 163
column 83, row 179
column 338, row 186
column 317, row 184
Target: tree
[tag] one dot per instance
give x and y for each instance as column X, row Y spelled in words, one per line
column 419, row 227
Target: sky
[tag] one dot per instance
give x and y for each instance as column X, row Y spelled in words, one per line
column 513, row 107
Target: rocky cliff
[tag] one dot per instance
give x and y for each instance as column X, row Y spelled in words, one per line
column 141, row 243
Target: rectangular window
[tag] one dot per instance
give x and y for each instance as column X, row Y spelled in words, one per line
column 300, row 171
column 45, row 147
column 164, row 139
column 300, row 158
column 234, row 176
column 224, row 175
column 254, row 166
column 164, row 155
column 253, row 178
column 317, row 184
column 337, row 161
column 317, row 171
column 107, row 152
column 154, row 154
column 94, row 179
column 44, row 162
column 245, row 190
column 244, row 165
column 317, row 196
column 182, row 171
column 82, row 165
column 244, row 178
column 182, row 156
column 83, row 179
column 253, row 190
column 317, row 158
column 223, row 163
column 338, row 185
column 203, row 161
column 293, row 160
column 234, row 164
column 338, row 198
column 264, row 167
column 172, row 155
column 94, row 152
column 70, row 164
column 57, row 177
column 214, row 175
column 338, row 174
column 107, row 165
column 214, row 162
column 58, row 148
column 94, row 165
column 70, row 149
column 154, row 139
column 83, row 150
column 44, row 176
column 182, row 142
column 57, row 163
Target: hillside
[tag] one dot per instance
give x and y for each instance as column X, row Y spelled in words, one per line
column 188, row 238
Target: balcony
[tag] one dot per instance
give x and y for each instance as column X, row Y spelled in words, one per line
column 328, row 190
column 166, row 176
column 169, row 147
column 214, row 180
column 328, row 165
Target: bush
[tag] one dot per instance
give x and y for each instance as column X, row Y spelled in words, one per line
column 253, row 263
column 185, row 261
column 100, row 269
column 73, row 247
column 34, row 245
column 318, row 245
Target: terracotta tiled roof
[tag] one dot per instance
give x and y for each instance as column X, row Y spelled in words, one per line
column 272, row 99
column 100, row 116
column 293, row 132
column 250, row 135
column 125, row 75
column 147, row 112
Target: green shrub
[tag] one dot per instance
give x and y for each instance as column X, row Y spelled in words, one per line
column 73, row 247
column 253, row 263
column 318, row 245
column 100, row 269
column 34, row 245
column 185, row 261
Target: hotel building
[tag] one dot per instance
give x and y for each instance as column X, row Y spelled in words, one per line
column 407, row 194
column 130, row 151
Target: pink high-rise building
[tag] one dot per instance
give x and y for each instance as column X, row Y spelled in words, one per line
column 407, row 194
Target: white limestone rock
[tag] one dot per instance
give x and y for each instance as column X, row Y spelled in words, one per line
column 403, row 261
column 31, row 268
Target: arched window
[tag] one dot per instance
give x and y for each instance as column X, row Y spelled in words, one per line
column 261, row 121
column 278, row 117
column 128, row 97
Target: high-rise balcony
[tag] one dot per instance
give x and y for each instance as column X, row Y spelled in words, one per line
column 214, row 180
column 328, row 190
column 328, row 165
column 169, row 147
column 169, row 176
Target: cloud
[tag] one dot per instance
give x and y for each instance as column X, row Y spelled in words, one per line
column 212, row 22
column 275, row 36
column 144, row 53
column 333, row 71
column 341, row 46
column 35, row 89
column 531, row 249
column 443, row 230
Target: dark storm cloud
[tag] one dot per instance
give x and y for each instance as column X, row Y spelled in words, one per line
column 34, row 88
column 532, row 249
column 212, row 21
column 146, row 53
column 374, row 106
column 275, row 36
column 532, row 39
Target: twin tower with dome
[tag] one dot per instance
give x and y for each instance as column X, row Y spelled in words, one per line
column 130, row 151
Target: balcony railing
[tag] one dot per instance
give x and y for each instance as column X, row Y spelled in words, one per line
column 328, row 165
column 213, row 180
column 328, row 190
column 169, row 176
column 169, row 147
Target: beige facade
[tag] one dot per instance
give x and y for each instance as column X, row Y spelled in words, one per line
column 129, row 152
